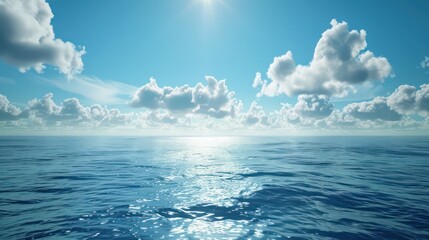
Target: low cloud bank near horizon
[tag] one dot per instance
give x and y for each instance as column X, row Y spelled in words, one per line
column 405, row 108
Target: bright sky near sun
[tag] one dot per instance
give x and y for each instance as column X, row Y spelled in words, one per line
column 130, row 55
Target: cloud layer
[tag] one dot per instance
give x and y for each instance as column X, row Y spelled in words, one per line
column 70, row 112
column 406, row 108
column 27, row 39
column 339, row 62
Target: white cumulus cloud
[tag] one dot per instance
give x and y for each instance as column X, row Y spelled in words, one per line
column 255, row 115
column 377, row 109
column 71, row 112
column 339, row 62
column 27, row 38
column 213, row 99
column 8, row 111
column 311, row 113
column 313, row 106
column 409, row 100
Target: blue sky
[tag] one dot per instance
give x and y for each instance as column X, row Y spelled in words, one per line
column 181, row 42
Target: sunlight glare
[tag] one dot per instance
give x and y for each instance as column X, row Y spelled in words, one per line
column 208, row 141
column 209, row 4
column 209, row 10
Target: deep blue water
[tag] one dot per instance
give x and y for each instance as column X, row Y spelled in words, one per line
column 214, row 188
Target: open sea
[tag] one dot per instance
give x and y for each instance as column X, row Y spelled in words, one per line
column 214, row 188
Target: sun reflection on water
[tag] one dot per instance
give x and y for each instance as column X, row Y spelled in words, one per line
column 209, row 174
column 208, row 190
column 197, row 143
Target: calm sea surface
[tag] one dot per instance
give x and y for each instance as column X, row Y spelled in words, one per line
column 214, row 188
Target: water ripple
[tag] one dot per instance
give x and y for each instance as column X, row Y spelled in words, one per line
column 214, row 188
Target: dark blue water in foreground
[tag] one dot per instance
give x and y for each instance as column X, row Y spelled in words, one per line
column 214, row 188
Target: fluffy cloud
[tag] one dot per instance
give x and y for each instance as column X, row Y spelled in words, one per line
column 313, row 106
column 258, row 80
column 214, row 99
column 311, row 113
column 391, row 111
column 7, row 110
column 47, row 113
column 403, row 100
column 27, row 38
column 71, row 108
column 338, row 64
column 308, row 111
column 149, row 96
column 410, row 100
column 255, row 115
column 43, row 107
column 71, row 112
column 376, row 109
column 287, row 115
column 339, row 119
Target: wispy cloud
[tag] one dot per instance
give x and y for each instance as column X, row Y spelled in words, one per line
column 93, row 88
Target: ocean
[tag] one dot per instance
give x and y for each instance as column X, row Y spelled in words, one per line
column 214, row 187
